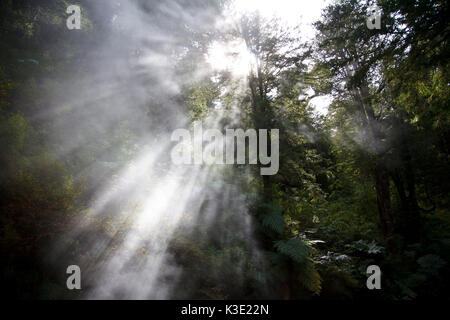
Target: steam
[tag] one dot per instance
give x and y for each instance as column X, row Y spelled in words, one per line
column 138, row 195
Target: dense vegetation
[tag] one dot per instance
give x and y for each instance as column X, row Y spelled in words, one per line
column 365, row 184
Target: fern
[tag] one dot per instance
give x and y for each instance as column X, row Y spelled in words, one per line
column 299, row 251
column 274, row 221
column 295, row 249
column 310, row 277
column 271, row 217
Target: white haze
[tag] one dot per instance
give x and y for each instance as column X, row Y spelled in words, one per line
column 144, row 200
column 299, row 14
column 132, row 71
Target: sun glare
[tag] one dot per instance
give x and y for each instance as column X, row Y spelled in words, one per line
column 231, row 56
column 234, row 57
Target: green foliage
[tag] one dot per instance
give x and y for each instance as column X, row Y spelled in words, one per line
column 205, row 266
column 201, row 99
column 296, row 249
column 320, row 221
column 300, row 252
column 309, row 277
column 272, row 218
column 367, row 247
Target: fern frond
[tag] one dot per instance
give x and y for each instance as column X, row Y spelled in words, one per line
column 295, row 248
column 309, row 276
column 274, row 221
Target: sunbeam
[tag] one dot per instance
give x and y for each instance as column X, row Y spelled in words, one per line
column 196, row 150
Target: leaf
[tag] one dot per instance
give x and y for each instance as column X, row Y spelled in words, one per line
column 431, row 263
column 272, row 217
column 273, row 221
column 295, row 249
column 310, row 277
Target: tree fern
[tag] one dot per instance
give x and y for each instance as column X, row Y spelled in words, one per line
column 274, row 221
column 309, row 277
column 272, row 218
column 299, row 251
column 295, row 249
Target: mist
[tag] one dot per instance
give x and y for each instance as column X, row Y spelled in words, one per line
column 140, row 197
column 224, row 149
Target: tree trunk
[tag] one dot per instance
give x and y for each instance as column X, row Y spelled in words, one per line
column 287, row 285
column 384, row 205
column 410, row 219
column 405, row 182
column 381, row 174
